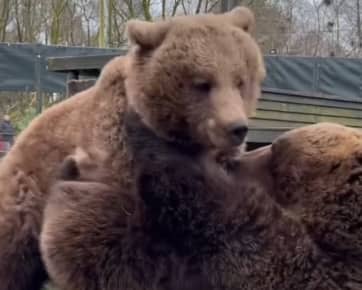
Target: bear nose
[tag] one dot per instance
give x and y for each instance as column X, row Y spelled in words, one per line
column 237, row 132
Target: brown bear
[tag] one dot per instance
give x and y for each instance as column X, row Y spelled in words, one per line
column 193, row 79
column 318, row 173
column 159, row 235
column 190, row 225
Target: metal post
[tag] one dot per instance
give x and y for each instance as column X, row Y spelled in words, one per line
column 224, row 6
column 227, row 5
column 37, row 71
column 233, row 4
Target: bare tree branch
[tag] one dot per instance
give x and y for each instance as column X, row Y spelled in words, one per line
column 212, row 6
column 146, row 5
column 198, row 7
column 184, row 7
column 175, row 6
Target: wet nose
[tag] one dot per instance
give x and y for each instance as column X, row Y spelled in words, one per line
column 237, row 132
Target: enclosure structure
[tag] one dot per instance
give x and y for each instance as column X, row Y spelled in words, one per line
column 26, row 86
column 297, row 91
column 23, row 67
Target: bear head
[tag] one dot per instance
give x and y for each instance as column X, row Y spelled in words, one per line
column 196, row 79
column 317, row 173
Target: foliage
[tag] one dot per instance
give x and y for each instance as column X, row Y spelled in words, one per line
column 23, row 107
column 92, row 22
column 21, row 123
column 300, row 27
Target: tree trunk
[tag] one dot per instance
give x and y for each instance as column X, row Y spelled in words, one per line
column 359, row 36
column 4, row 19
column 163, row 9
column 18, row 22
column 146, row 5
column 55, row 31
column 102, row 23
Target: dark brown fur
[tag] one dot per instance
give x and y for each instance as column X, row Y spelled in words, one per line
column 187, row 225
column 18, row 247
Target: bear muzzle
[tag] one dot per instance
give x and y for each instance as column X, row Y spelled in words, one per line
column 224, row 135
column 236, row 132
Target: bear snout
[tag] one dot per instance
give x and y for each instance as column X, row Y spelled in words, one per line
column 236, row 132
column 224, row 135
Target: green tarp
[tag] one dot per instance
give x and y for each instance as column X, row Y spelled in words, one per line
column 23, row 68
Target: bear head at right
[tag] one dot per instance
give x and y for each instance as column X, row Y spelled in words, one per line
column 317, row 171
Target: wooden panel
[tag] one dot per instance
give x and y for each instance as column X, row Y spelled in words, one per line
column 264, row 123
column 289, row 98
column 76, row 86
column 309, row 109
column 312, row 94
column 264, row 135
column 306, row 118
column 79, row 63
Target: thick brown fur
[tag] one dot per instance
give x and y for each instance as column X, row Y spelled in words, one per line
column 190, row 78
column 159, row 235
column 118, row 216
column 318, row 173
column 90, row 118
column 188, row 225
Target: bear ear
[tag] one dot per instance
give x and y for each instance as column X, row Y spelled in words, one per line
column 243, row 18
column 147, row 35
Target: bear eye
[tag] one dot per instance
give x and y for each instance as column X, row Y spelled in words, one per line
column 202, row 86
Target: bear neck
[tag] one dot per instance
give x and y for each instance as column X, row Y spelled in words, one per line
column 142, row 136
column 206, row 220
column 196, row 222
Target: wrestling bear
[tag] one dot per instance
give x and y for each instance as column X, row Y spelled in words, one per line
column 194, row 80
column 318, row 173
column 190, row 225
column 146, row 237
